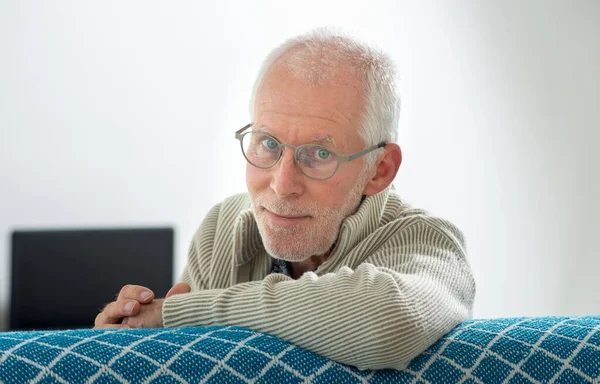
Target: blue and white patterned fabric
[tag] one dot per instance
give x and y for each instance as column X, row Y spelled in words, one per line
column 517, row 350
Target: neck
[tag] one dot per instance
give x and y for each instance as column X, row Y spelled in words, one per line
column 308, row 265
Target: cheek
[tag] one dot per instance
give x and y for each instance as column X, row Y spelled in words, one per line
column 327, row 193
column 336, row 191
column 256, row 178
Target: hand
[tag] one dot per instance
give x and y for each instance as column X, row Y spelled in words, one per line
column 129, row 302
column 150, row 315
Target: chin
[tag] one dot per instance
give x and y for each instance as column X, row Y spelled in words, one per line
column 294, row 247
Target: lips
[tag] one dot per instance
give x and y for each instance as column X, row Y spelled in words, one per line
column 284, row 221
column 289, row 216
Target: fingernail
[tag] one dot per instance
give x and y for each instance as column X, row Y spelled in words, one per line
column 129, row 307
column 145, row 295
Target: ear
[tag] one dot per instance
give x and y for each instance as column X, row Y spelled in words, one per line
column 385, row 171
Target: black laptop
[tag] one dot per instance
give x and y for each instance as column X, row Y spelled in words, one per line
column 62, row 278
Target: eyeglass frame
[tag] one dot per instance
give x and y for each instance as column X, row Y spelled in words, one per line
column 239, row 136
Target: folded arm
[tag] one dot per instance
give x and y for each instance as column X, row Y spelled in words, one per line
column 380, row 315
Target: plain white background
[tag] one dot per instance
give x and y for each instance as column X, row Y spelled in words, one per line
column 122, row 113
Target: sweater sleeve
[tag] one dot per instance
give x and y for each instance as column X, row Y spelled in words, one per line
column 382, row 314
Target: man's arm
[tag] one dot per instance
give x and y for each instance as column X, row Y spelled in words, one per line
column 380, row 315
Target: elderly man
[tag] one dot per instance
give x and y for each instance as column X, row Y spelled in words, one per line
column 320, row 251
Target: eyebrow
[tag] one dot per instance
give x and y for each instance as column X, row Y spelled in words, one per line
column 324, row 139
column 315, row 139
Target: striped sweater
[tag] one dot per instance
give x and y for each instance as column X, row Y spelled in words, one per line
column 396, row 280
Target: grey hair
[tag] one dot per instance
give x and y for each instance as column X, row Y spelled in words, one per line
column 312, row 57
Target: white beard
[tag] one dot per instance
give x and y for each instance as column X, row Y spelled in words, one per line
column 312, row 238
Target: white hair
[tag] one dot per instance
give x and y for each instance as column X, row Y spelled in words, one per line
column 313, row 57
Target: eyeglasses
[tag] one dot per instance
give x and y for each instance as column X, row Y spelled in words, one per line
column 314, row 161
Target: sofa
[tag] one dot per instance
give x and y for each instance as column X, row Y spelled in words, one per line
column 510, row 350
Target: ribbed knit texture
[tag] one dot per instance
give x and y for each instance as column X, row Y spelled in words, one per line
column 395, row 282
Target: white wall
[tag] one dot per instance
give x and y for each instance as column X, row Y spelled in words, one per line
column 122, row 114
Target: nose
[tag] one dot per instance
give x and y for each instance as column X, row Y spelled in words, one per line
column 286, row 179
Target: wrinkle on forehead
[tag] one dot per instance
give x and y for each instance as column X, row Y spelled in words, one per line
column 332, row 115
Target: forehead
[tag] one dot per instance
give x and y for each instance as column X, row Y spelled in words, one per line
column 288, row 106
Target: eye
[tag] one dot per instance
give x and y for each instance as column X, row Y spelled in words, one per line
column 323, row 154
column 269, row 143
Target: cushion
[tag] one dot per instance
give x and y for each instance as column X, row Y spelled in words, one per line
column 519, row 350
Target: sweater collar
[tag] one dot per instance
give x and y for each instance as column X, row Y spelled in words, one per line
column 353, row 230
column 359, row 226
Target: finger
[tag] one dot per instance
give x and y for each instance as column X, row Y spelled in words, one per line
column 114, row 312
column 149, row 316
column 179, row 288
column 130, row 322
column 102, row 319
column 136, row 292
column 118, row 326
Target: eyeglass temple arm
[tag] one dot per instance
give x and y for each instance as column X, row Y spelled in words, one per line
column 359, row 154
column 239, row 132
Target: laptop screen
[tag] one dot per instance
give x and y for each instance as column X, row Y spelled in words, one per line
column 61, row 279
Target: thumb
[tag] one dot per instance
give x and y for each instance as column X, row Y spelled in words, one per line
column 178, row 289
